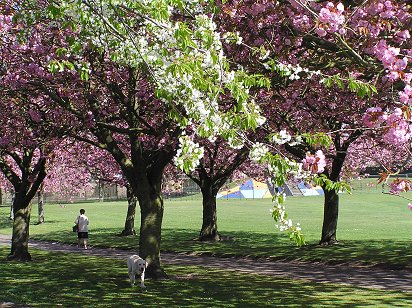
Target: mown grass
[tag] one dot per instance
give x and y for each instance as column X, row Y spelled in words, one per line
column 373, row 228
column 74, row 280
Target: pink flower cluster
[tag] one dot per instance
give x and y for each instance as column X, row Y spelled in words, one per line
column 382, row 8
column 5, row 21
column 403, row 36
column 374, row 117
column 399, row 129
column 405, row 96
column 400, row 185
column 393, row 61
column 314, row 163
column 331, row 19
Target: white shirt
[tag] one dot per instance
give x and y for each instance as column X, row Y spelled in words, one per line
column 82, row 221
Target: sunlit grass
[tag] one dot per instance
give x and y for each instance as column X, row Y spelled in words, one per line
column 73, row 280
column 373, row 228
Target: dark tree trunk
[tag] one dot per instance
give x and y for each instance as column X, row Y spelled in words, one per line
column 210, row 180
column 330, row 217
column 1, row 196
column 331, row 203
column 151, row 208
column 40, row 206
column 21, row 222
column 24, row 191
column 209, row 230
column 100, row 188
column 131, row 213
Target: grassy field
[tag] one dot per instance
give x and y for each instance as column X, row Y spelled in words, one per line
column 373, row 228
column 71, row 280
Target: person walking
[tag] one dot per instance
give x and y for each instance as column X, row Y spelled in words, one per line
column 82, row 222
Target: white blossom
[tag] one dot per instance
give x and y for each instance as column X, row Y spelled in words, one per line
column 282, row 137
column 258, row 151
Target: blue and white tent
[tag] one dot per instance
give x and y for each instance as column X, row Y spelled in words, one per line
column 250, row 189
column 308, row 190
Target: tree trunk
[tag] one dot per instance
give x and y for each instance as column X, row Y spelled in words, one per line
column 20, row 237
column 210, row 180
column 40, row 206
column 1, row 196
column 330, row 217
column 100, row 191
column 209, row 226
column 131, row 213
column 331, row 203
column 11, row 206
column 151, row 209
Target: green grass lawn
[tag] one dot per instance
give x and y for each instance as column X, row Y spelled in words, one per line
column 373, row 228
column 73, row 280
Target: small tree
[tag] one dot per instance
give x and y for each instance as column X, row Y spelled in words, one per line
column 24, row 148
column 214, row 169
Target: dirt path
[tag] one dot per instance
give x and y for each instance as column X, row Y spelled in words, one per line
column 368, row 277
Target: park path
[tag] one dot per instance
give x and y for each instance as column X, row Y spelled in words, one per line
column 368, row 277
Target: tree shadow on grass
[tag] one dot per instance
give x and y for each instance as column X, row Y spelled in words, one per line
column 382, row 253
column 70, row 280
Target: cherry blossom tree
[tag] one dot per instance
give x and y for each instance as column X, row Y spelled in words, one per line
column 68, row 175
column 130, row 77
column 24, row 148
column 214, row 169
column 131, row 86
column 318, row 54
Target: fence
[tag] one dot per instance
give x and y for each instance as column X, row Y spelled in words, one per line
column 370, row 182
column 188, row 190
column 101, row 192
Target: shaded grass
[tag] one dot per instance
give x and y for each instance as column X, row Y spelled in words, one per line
column 72, row 280
column 372, row 229
column 383, row 253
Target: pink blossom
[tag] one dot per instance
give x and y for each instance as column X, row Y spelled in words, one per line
column 400, row 64
column 403, row 35
column 400, row 185
column 387, row 54
column 396, row 135
column 399, row 130
column 410, row 206
column 408, row 90
column 405, row 96
column 394, row 117
column 388, row 14
column 374, row 31
column 374, row 9
column 314, row 163
column 331, row 19
column 320, row 31
column 407, row 77
column 393, row 76
column 374, row 117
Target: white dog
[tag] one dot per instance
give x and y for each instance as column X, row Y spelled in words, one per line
column 136, row 266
